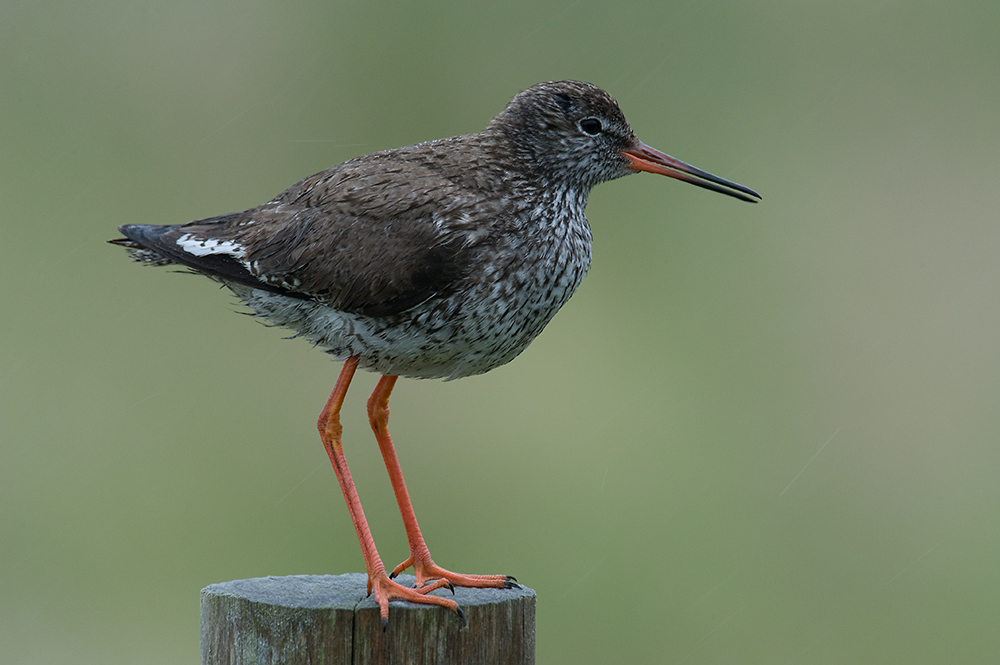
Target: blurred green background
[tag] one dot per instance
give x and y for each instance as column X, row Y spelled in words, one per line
column 758, row 434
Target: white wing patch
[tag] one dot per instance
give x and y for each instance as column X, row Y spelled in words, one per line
column 199, row 247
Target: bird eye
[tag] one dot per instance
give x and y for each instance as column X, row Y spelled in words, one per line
column 591, row 125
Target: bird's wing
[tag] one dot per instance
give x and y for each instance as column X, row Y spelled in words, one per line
column 357, row 237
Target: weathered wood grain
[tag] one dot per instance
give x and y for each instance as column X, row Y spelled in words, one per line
column 328, row 619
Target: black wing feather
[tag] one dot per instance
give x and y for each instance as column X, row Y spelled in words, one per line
column 162, row 242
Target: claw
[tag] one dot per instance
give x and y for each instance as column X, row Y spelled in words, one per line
column 401, row 567
column 428, row 572
column 386, row 590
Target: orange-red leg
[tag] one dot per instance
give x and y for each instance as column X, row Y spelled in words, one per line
column 424, row 568
column 385, row 589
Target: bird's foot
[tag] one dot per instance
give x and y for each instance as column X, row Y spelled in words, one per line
column 386, row 589
column 429, row 575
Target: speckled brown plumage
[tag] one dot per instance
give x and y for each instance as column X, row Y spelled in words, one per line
column 438, row 260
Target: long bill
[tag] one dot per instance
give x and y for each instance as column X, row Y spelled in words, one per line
column 644, row 158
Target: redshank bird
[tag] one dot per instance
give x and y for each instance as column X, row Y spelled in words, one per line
column 438, row 260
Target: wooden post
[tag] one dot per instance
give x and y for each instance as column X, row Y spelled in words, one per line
column 329, row 620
